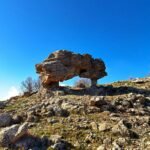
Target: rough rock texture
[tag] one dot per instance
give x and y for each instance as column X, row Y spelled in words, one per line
column 5, row 120
column 63, row 65
column 116, row 117
column 9, row 134
column 17, row 137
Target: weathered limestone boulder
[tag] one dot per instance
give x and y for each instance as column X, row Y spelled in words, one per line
column 5, row 120
column 124, row 129
column 9, row 134
column 63, row 65
column 17, row 137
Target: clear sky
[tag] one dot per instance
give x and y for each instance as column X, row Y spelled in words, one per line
column 118, row 31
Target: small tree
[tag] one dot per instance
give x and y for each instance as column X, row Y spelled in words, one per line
column 30, row 85
column 83, row 83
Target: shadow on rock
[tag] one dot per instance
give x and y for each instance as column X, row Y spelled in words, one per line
column 103, row 91
column 28, row 141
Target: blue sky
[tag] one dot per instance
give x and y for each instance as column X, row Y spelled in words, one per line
column 118, row 31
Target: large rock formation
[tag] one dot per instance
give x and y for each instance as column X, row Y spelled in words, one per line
column 63, row 65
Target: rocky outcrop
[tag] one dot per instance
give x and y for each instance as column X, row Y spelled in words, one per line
column 117, row 116
column 63, row 65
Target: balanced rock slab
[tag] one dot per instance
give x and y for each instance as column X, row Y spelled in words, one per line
column 63, row 65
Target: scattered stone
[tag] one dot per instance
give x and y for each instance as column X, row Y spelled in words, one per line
column 104, row 127
column 102, row 147
column 126, row 104
column 17, row 137
column 22, row 130
column 124, row 129
column 34, row 108
column 7, row 135
column 2, row 105
column 60, row 112
column 52, row 121
column 61, row 145
column 28, row 141
column 56, row 110
column 83, row 126
column 92, row 109
column 32, row 118
column 55, row 138
column 10, row 134
column 94, row 126
column 121, row 141
column 5, row 120
column 114, row 115
column 97, row 101
column 70, row 106
column 89, row 138
column 116, row 146
column 17, row 119
column 121, row 128
column 77, row 145
column 107, row 141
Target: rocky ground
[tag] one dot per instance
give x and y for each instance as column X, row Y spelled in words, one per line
column 114, row 116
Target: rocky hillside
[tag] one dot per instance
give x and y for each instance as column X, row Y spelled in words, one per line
column 113, row 116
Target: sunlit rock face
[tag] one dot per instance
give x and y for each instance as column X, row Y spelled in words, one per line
column 63, row 65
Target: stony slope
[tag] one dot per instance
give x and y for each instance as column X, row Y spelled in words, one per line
column 114, row 116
